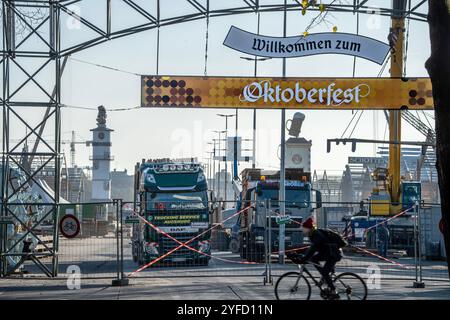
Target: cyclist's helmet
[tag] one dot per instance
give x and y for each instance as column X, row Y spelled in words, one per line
column 308, row 223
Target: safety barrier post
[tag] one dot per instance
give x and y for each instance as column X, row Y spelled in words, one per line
column 55, row 260
column 266, row 267
column 418, row 283
column 269, row 240
column 267, row 273
column 120, row 280
column 3, row 232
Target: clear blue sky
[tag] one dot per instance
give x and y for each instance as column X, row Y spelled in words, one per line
column 148, row 133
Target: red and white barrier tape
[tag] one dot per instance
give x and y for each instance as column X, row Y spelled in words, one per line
column 185, row 244
column 380, row 257
column 379, row 223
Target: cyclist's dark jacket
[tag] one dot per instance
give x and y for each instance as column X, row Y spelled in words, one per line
column 321, row 244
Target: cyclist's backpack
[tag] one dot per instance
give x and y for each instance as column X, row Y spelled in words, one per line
column 336, row 238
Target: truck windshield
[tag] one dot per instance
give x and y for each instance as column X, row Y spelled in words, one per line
column 184, row 200
column 295, row 198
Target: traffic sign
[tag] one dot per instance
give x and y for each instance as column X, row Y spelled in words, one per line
column 283, row 219
column 131, row 218
column 69, row 226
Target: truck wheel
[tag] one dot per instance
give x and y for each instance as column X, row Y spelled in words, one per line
column 140, row 256
column 255, row 254
column 222, row 241
column 234, row 246
column 203, row 262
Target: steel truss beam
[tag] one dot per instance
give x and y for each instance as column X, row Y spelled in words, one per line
column 48, row 31
column 15, row 62
column 105, row 33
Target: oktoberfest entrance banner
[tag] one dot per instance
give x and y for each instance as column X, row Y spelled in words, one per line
column 286, row 93
column 301, row 46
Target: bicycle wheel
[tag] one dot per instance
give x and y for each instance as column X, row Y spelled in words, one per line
column 292, row 286
column 350, row 286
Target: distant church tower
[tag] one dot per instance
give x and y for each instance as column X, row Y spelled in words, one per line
column 101, row 158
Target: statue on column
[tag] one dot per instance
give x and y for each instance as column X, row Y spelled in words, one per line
column 101, row 117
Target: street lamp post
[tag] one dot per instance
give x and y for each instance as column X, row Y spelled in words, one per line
column 210, row 164
column 213, row 173
column 282, row 195
column 219, row 172
column 226, row 116
column 206, row 167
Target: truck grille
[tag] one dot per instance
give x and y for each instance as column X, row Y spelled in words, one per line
column 169, row 244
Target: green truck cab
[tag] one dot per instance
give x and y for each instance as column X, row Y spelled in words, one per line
column 173, row 197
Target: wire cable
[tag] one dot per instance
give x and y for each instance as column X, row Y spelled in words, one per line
column 105, row 67
column 96, row 109
column 349, row 124
column 426, row 118
column 405, row 59
column 356, row 124
column 380, row 73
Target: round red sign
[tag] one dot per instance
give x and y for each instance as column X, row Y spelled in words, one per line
column 69, row 226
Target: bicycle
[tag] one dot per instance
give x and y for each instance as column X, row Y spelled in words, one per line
column 295, row 286
column 70, row 226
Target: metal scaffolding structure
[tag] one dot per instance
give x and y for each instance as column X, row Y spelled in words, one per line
column 16, row 58
column 19, row 51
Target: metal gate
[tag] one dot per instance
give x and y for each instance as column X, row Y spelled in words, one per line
column 93, row 253
column 194, row 242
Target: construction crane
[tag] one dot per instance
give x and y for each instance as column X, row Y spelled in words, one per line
column 419, row 125
column 393, row 194
column 427, row 131
column 73, row 142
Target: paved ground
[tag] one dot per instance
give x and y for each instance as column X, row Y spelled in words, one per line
column 193, row 288
column 226, row 277
column 96, row 257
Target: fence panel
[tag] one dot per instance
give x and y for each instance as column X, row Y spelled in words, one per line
column 176, row 239
column 94, row 251
column 218, row 240
column 27, row 232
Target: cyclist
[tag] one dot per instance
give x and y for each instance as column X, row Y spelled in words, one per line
column 325, row 246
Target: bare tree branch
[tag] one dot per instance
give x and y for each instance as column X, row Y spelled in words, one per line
column 28, row 17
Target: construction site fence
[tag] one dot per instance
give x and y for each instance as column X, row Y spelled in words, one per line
column 120, row 239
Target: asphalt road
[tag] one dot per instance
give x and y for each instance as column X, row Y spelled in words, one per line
column 206, row 288
column 226, row 277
